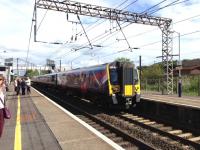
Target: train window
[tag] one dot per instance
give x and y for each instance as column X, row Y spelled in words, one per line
column 135, row 75
column 113, row 76
column 2, row 68
column 53, row 78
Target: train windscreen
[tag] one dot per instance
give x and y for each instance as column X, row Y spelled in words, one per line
column 135, row 76
column 113, row 76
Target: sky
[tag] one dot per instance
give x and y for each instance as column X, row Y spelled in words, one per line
column 106, row 38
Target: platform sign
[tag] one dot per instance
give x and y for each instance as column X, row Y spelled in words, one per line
column 50, row 62
column 8, row 62
column 2, row 68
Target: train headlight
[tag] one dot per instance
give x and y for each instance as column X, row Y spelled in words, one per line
column 137, row 89
column 116, row 88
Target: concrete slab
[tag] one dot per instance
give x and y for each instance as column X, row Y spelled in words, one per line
column 188, row 101
column 45, row 126
column 33, row 132
column 69, row 133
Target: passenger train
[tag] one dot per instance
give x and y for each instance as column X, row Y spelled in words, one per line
column 112, row 84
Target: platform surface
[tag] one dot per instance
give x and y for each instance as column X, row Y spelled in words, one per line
column 38, row 124
column 186, row 101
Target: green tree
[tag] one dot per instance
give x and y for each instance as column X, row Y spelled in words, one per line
column 30, row 73
column 123, row 59
column 154, row 71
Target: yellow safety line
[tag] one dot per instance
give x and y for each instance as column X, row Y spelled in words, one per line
column 18, row 142
column 109, row 84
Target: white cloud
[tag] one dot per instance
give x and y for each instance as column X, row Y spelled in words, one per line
column 16, row 21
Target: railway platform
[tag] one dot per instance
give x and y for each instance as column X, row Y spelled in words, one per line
column 184, row 111
column 39, row 123
column 185, row 101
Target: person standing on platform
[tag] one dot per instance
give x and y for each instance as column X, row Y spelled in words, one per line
column 28, row 85
column 2, row 101
column 18, row 86
column 15, row 84
column 23, row 86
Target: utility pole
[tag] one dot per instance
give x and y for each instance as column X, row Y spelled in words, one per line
column 118, row 15
column 60, row 65
column 140, row 60
column 179, row 65
column 17, row 67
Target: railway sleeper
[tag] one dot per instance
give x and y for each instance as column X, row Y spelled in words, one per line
column 186, row 147
column 143, row 121
column 111, row 135
column 104, row 131
column 125, row 144
column 128, row 115
column 173, row 142
column 131, row 116
column 185, row 135
column 117, row 139
column 164, row 138
column 157, row 125
column 150, row 123
column 176, row 132
column 138, row 119
column 97, row 126
column 166, row 128
column 195, row 139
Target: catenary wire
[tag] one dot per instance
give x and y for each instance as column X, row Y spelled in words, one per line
column 29, row 41
column 171, row 4
column 167, row 6
column 139, row 34
column 152, row 43
column 103, row 20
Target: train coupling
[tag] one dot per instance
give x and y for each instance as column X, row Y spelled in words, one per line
column 137, row 97
column 128, row 103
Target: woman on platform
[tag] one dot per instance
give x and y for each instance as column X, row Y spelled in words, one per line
column 2, row 100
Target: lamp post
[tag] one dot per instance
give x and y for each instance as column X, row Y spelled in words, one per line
column 140, row 64
column 179, row 65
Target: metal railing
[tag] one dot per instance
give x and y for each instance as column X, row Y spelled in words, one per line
column 190, row 85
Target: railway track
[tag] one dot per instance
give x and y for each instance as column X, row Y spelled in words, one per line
column 171, row 134
column 87, row 115
column 132, row 131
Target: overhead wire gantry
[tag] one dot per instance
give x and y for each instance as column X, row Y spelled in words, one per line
column 78, row 8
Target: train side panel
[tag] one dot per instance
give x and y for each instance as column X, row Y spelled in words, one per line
column 114, row 84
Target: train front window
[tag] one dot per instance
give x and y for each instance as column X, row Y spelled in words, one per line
column 113, row 76
column 135, row 76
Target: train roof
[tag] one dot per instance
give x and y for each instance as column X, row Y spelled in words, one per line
column 77, row 69
column 85, row 68
column 82, row 69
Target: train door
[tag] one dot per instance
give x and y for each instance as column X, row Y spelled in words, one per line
column 54, row 80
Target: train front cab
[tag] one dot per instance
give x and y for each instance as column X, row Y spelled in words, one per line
column 124, row 86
